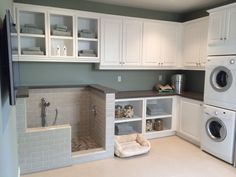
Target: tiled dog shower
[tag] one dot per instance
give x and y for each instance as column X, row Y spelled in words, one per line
column 78, row 107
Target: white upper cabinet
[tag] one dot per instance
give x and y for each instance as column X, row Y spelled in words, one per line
column 56, row 35
column 169, row 44
column 222, row 30
column 132, row 42
column 230, row 37
column 160, row 43
column 31, row 33
column 111, row 41
column 151, row 44
column 216, row 28
column 61, row 35
column 88, row 37
column 195, row 42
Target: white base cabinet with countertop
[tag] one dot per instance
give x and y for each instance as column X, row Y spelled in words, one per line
column 190, row 115
column 143, row 121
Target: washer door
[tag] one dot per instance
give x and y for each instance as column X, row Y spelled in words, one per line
column 221, row 79
column 216, row 129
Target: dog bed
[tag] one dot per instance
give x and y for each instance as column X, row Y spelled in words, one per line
column 131, row 145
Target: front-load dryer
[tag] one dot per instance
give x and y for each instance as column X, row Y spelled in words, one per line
column 220, row 82
column 218, row 133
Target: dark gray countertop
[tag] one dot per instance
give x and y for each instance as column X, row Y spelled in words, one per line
column 23, row 91
column 150, row 93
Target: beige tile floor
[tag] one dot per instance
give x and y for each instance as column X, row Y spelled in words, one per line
column 169, row 157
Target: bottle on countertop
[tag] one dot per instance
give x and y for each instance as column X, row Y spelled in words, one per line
column 64, row 50
column 58, row 51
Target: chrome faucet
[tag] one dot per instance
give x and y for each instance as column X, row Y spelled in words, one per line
column 44, row 105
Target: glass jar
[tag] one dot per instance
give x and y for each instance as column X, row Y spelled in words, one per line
column 158, row 125
column 119, row 112
column 149, row 126
column 128, row 111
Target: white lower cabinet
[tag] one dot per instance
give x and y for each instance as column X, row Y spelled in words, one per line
column 153, row 116
column 190, row 114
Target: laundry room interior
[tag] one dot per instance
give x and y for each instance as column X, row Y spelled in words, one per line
column 92, row 86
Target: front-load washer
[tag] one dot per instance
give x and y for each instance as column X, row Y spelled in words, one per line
column 218, row 133
column 220, row 82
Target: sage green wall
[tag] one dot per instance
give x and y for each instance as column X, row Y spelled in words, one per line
column 66, row 73
column 105, row 8
column 8, row 140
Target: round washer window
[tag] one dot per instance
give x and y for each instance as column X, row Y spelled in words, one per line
column 221, row 79
column 216, row 129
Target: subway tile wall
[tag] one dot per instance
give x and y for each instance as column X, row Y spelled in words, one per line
column 41, row 148
column 107, row 127
column 72, row 104
column 98, row 118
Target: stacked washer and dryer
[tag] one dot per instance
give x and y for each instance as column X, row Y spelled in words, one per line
column 219, row 116
column 219, row 119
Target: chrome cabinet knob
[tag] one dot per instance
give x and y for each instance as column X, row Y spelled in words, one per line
column 232, row 61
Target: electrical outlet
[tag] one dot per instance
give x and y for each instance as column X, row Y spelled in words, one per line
column 119, row 79
column 160, row 77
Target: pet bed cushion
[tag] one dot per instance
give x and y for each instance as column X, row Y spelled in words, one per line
column 131, row 145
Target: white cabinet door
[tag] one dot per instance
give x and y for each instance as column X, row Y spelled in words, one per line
column 190, row 119
column 191, row 41
column 230, row 32
column 203, row 27
column 132, row 42
column 222, row 31
column 195, row 42
column 111, row 41
column 169, row 44
column 151, row 43
column 216, row 28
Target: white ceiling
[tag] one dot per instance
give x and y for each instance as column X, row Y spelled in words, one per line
column 178, row 6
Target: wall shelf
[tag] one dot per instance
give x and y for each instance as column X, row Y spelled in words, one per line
column 158, row 117
column 32, row 35
column 61, row 37
column 120, row 120
column 87, row 39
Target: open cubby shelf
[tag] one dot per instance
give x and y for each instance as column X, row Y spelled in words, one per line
column 161, row 109
column 50, row 29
